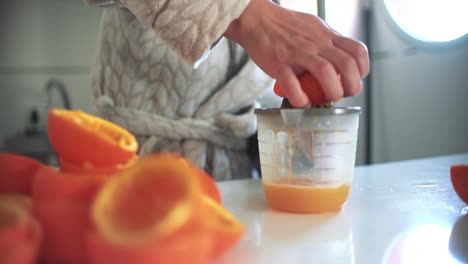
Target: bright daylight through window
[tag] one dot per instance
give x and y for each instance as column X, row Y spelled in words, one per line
column 430, row 20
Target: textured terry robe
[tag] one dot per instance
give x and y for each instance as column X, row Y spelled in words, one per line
column 164, row 72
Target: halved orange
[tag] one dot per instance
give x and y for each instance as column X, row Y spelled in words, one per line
column 20, row 233
column 82, row 138
column 17, row 173
column 227, row 230
column 310, row 86
column 150, row 200
column 459, row 178
column 62, row 204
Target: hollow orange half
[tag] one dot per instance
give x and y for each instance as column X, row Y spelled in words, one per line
column 150, row 200
column 82, row 138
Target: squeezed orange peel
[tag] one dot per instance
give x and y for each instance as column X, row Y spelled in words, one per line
column 79, row 137
column 160, row 172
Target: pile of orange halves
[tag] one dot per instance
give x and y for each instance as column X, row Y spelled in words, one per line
column 104, row 204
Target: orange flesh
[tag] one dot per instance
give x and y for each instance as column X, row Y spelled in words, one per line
column 104, row 129
column 153, row 208
column 303, row 197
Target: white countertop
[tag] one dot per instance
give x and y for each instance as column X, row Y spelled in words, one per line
column 401, row 212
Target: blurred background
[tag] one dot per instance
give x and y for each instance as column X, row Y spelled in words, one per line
column 414, row 104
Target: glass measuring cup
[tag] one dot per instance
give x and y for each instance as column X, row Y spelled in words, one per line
column 307, row 157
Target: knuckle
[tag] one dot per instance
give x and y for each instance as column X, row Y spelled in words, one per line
column 348, row 64
column 298, row 101
column 277, row 70
column 324, row 68
column 338, row 94
column 360, row 50
column 354, row 89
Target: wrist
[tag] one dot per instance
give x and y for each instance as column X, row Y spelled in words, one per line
column 233, row 30
column 248, row 22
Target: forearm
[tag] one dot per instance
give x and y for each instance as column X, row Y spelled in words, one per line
column 189, row 27
column 247, row 23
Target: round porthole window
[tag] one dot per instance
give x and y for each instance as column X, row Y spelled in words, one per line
column 432, row 21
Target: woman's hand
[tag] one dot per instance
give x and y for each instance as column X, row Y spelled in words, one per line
column 285, row 43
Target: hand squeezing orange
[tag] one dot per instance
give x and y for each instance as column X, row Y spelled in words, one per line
column 310, row 86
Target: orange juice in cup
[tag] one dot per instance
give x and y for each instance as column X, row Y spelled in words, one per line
column 307, row 157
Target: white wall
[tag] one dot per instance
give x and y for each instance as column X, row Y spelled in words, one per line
column 41, row 39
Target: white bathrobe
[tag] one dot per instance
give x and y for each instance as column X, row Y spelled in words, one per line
column 164, row 72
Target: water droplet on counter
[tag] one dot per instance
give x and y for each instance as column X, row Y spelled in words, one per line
column 426, row 184
column 315, row 120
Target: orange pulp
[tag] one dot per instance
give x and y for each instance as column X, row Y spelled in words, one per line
column 299, row 196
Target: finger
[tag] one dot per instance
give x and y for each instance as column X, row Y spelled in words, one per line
column 325, row 74
column 347, row 67
column 357, row 50
column 292, row 88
